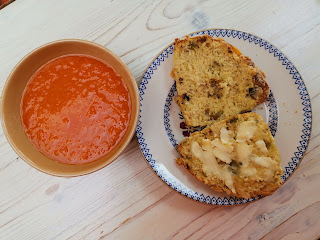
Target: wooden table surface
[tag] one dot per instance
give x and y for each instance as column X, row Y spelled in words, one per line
column 126, row 200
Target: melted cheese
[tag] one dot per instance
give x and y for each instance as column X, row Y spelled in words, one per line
column 244, row 152
column 228, row 178
column 223, row 156
column 248, row 171
column 210, row 165
column 222, row 151
column 196, row 150
column 262, row 146
column 206, row 144
column 263, row 161
column 223, row 147
column 246, row 131
column 225, row 135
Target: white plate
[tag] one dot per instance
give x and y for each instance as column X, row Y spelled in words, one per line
column 287, row 112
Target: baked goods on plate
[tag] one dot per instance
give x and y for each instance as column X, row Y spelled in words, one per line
column 160, row 126
column 214, row 80
column 237, row 155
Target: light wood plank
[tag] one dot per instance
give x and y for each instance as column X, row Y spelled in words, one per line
column 304, row 224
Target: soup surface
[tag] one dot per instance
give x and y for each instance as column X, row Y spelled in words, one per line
column 75, row 109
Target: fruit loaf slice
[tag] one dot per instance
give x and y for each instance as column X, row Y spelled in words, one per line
column 214, row 81
column 237, row 155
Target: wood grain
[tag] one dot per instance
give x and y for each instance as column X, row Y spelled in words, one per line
column 303, row 224
column 126, row 200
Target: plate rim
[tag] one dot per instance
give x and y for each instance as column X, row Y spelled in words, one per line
column 275, row 48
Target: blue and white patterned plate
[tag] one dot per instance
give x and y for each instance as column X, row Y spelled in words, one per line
column 160, row 128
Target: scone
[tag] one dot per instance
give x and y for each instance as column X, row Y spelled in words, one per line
column 237, row 155
column 214, row 81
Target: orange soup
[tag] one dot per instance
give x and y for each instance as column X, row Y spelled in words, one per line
column 75, row 109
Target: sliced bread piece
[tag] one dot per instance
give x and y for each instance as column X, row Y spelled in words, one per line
column 237, row 155
column 214, row 81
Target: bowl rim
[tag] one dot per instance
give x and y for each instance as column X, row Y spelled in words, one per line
column 134, row 114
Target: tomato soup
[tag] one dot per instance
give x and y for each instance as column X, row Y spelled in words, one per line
column 75, row 109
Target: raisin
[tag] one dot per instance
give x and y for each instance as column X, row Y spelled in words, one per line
column 215, row 116
column 214, row 82
column 192, row 45
column 180, row 80
column 234, row 167
column 254, row 92
column 186, row 133
column 215, row 90
column 202, row 39
column 245, row 111
column 230, row 49
column 187, row 166
column 233, row 120
column 183, row 125
column 186, row 97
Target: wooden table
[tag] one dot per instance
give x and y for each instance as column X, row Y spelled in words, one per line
column 126, row 200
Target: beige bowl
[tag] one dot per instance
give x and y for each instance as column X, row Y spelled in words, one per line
column 12, row 94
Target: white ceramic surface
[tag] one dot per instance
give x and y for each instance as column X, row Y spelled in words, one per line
column 287, row 112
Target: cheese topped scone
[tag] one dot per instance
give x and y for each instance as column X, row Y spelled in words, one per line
column 214, row 80
column 237, row 155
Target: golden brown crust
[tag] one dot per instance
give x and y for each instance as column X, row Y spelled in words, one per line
column 260, row 81
column 214, row 81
